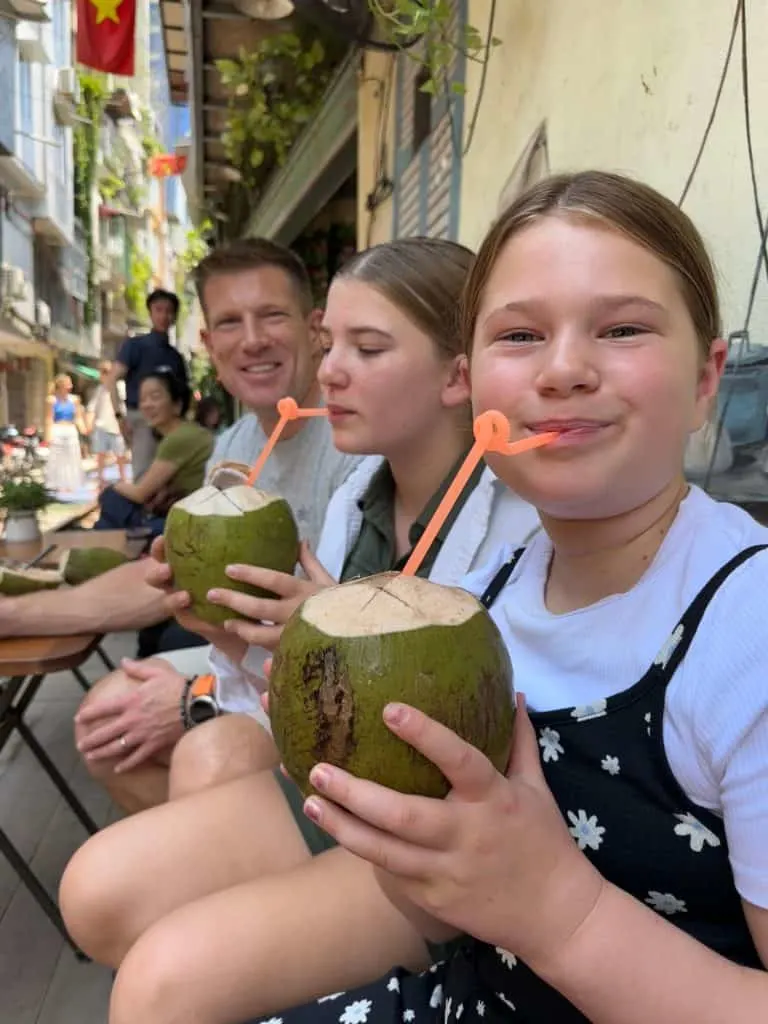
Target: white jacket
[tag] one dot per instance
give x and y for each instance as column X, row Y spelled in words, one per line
column 492, row 517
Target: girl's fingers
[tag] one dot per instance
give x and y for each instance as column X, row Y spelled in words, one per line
column 415, row 819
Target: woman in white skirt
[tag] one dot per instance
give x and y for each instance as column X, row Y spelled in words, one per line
column 63, row 425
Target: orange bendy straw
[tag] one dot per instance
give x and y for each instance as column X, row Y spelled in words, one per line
column 491, row 430
column 289, row 410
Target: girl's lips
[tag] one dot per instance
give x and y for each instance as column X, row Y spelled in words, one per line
column 574, row 433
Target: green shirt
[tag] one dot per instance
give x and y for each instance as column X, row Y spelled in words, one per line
column 374, row 549
column 188, row 447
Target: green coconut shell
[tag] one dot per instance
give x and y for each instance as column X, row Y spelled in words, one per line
column 15, row 582
column 199, row 547
column 328, row 691
column 78, row 565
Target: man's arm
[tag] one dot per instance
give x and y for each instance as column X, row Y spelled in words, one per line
column 117, row 372
column 120, row 599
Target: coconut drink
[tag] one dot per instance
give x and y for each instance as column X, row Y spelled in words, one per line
column 78, row 565
column 349, row 650
column 15, row 582
column 217, row 526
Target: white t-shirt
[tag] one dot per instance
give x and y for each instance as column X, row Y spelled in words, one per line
column 716, row 717
column 103, row 411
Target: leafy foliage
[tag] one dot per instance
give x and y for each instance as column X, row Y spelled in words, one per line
column 274, row 91
column 429, row 33
column 93, row 93
column 22, row 488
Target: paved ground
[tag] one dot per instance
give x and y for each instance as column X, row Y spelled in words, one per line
column 41, row 982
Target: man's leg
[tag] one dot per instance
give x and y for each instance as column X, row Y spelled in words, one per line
column 133, row 791
column 143, row 443
column 120, row 599
column 147, row 785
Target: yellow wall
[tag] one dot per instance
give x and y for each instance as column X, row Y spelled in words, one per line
column 628, row 85
column 376, row 120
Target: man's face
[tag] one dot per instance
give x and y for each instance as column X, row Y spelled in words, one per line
column 261, row 341
column 162, row 314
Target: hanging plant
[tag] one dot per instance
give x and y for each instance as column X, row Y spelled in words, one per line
column 139, row 276
column 274, row 91
column 429, row 32
column 93, row 93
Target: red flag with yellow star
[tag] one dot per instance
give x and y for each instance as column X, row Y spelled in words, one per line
column 106, row 31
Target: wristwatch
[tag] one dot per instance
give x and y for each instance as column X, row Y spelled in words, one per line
column 198, row 701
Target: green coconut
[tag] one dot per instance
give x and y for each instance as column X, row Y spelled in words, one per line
column 349, row 650
column 213, row 528
column 81, row 564
column 14, row 582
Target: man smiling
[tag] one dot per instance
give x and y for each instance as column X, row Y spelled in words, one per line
column 262, row 337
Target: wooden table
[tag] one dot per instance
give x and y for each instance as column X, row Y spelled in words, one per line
column 65, row 540
column 24, row 664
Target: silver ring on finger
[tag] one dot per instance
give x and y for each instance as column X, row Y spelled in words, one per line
column 123, row 742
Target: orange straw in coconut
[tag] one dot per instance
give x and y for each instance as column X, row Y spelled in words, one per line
column 289, row 410
column 491, row 430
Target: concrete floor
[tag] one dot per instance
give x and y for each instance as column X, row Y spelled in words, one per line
column 41, row 981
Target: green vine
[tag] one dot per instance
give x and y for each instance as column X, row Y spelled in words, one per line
column 93, row 93
column 139, row 276
column 425, row 32
column 195, row 248
column 274, row 90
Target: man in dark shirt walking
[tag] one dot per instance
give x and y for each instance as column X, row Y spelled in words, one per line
column 138, row 357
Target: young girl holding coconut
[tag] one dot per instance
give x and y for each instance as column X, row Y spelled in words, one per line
column 617, row 872
column 226, row 876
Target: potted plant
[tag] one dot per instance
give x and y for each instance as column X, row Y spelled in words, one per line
column 22, row 495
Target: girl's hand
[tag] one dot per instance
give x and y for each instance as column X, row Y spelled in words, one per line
column 291, row 591
column 494, row 859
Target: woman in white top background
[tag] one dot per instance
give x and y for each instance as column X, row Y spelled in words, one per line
column 104, row 428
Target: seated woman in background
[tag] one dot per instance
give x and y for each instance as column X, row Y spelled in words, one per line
column 179, row 464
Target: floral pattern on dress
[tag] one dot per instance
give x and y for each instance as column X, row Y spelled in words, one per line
column 551, row 747
column 698, row 834
column 357, row 1012
column 508, row 959
column 507, row 1002
column 585, row 830
column 610, row 764
column 665, row 903
column 584, row 712
column 668, row 648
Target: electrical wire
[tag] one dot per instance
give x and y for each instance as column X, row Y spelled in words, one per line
column 748, row 132
column 726, row 63
column 483, row 77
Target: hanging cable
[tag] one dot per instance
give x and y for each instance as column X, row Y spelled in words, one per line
column 748, row 127
column 483, row 75
column 736, row 17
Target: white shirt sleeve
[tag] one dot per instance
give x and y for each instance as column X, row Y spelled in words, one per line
column 724, row 697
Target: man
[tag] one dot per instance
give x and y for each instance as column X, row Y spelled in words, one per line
column 137, row 357
column 262, row 336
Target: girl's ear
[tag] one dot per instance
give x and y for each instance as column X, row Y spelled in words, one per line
column 456, row 390
column 709, row 381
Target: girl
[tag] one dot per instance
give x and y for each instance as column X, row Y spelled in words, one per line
column 63, row 425
column 230, row 869
column 617, row 874
column 104, row 428
column 179, row 464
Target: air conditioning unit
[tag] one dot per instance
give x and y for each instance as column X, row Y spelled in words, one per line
column 12, row 282
column 43, row 314
column 68, row 84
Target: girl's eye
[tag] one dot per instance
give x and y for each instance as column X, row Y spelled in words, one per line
column 626, row 331
column 519, row 337
column 369, row 351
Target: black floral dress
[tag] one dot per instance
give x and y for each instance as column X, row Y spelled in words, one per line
column 607, row 768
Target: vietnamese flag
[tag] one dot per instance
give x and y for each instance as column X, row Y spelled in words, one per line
column 106, row 31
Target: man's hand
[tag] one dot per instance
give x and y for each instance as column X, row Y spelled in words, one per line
column 161, row 577
column 137, row 725
column 258, row 611
column 126, row 429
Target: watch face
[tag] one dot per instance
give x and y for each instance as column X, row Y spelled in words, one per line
column 202, row 709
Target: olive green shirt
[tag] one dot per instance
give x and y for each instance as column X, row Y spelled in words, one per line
column 188, row 447
column 375, row 547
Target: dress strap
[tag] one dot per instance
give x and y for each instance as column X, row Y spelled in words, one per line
column 676, row 647
column 499, row 581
